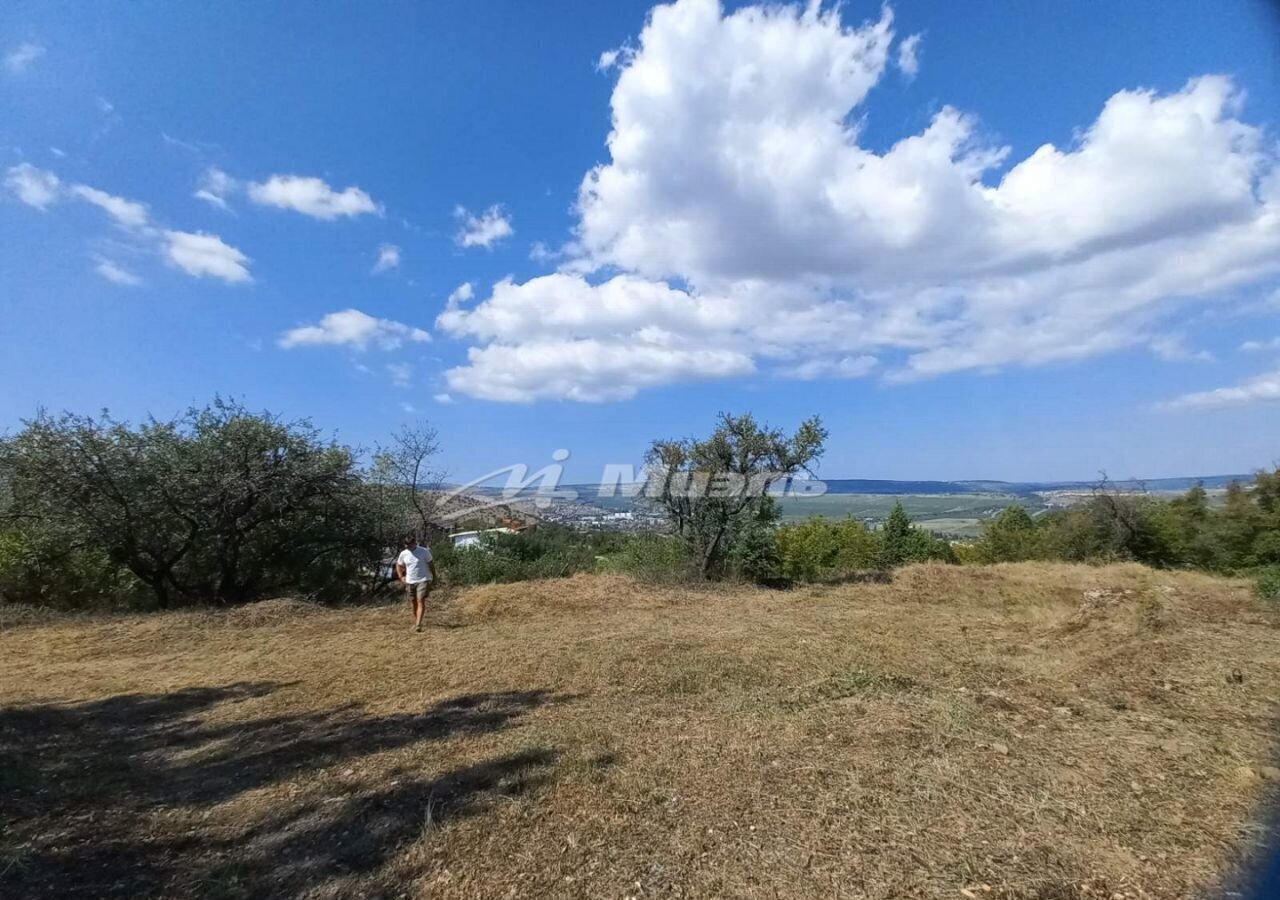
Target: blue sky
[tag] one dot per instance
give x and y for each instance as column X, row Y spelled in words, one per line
column 851, row 213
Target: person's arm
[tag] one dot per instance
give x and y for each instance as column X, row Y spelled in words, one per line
column 431, row 564
column 399, row 569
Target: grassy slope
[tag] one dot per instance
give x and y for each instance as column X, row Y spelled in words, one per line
column 1044, row 730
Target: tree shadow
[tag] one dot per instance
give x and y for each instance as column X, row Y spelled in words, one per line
column 105, row 799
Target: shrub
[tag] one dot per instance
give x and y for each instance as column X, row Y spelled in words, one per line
column 806, row 550
column 38, row 569
column 820, row 548
column 652, row 557
column 1010, row 537
column 1266, row 584
column 549, row 551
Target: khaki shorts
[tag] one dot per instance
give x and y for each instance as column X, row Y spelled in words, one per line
column 418, row 590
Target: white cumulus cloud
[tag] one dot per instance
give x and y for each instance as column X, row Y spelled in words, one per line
column 311, row 197
column 460, row 295
column 201, row 254
column 738, row 213
column 483, row 230
column 353, row 328
column 585, row 370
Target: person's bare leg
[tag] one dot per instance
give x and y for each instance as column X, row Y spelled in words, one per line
column 416, row 604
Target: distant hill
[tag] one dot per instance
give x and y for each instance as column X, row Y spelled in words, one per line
column 925, row 488
column 878, row 486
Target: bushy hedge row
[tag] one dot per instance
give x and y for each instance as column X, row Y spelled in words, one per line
column 1241, row 536
column 813, row 550
column 821, row 548
column 554, row 551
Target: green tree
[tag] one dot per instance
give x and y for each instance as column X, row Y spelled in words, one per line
column 897, row 539
column 712, row 490
column 902, row 542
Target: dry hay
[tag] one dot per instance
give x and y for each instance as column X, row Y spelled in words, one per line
column 278, row 611
column 1014, row 731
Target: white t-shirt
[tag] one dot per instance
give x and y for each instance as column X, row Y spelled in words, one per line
column 415, row 564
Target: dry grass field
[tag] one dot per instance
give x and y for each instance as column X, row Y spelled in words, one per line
column 1017, row 731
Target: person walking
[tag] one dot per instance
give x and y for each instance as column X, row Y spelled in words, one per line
column 416, row 570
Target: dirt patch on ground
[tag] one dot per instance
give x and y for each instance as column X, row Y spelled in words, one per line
column 1018, row 731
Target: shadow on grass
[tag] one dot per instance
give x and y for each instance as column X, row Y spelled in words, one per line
column 106, row 799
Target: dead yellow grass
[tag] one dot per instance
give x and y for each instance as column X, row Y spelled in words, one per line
column 1026, row 730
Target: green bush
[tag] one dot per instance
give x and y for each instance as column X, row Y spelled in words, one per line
column 820, row 548
column 38, row 568
column 652, row 557
column 549, row 551
column 1011, row 537
column 1266, row 584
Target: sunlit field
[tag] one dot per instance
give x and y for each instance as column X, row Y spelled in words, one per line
column 1017, row 731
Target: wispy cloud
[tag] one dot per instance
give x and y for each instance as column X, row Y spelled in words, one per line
column 33, row 186
column 1260, row 346
column 127, row 213
column 1259, row 389
column 840, row 367
column 196, row 253
column 388, row 259
column 22, row 57
column 215, row 186
column 401, row 374
column 1173, row 348
column 116, row 274
column 909, row 55
column 41, row 189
